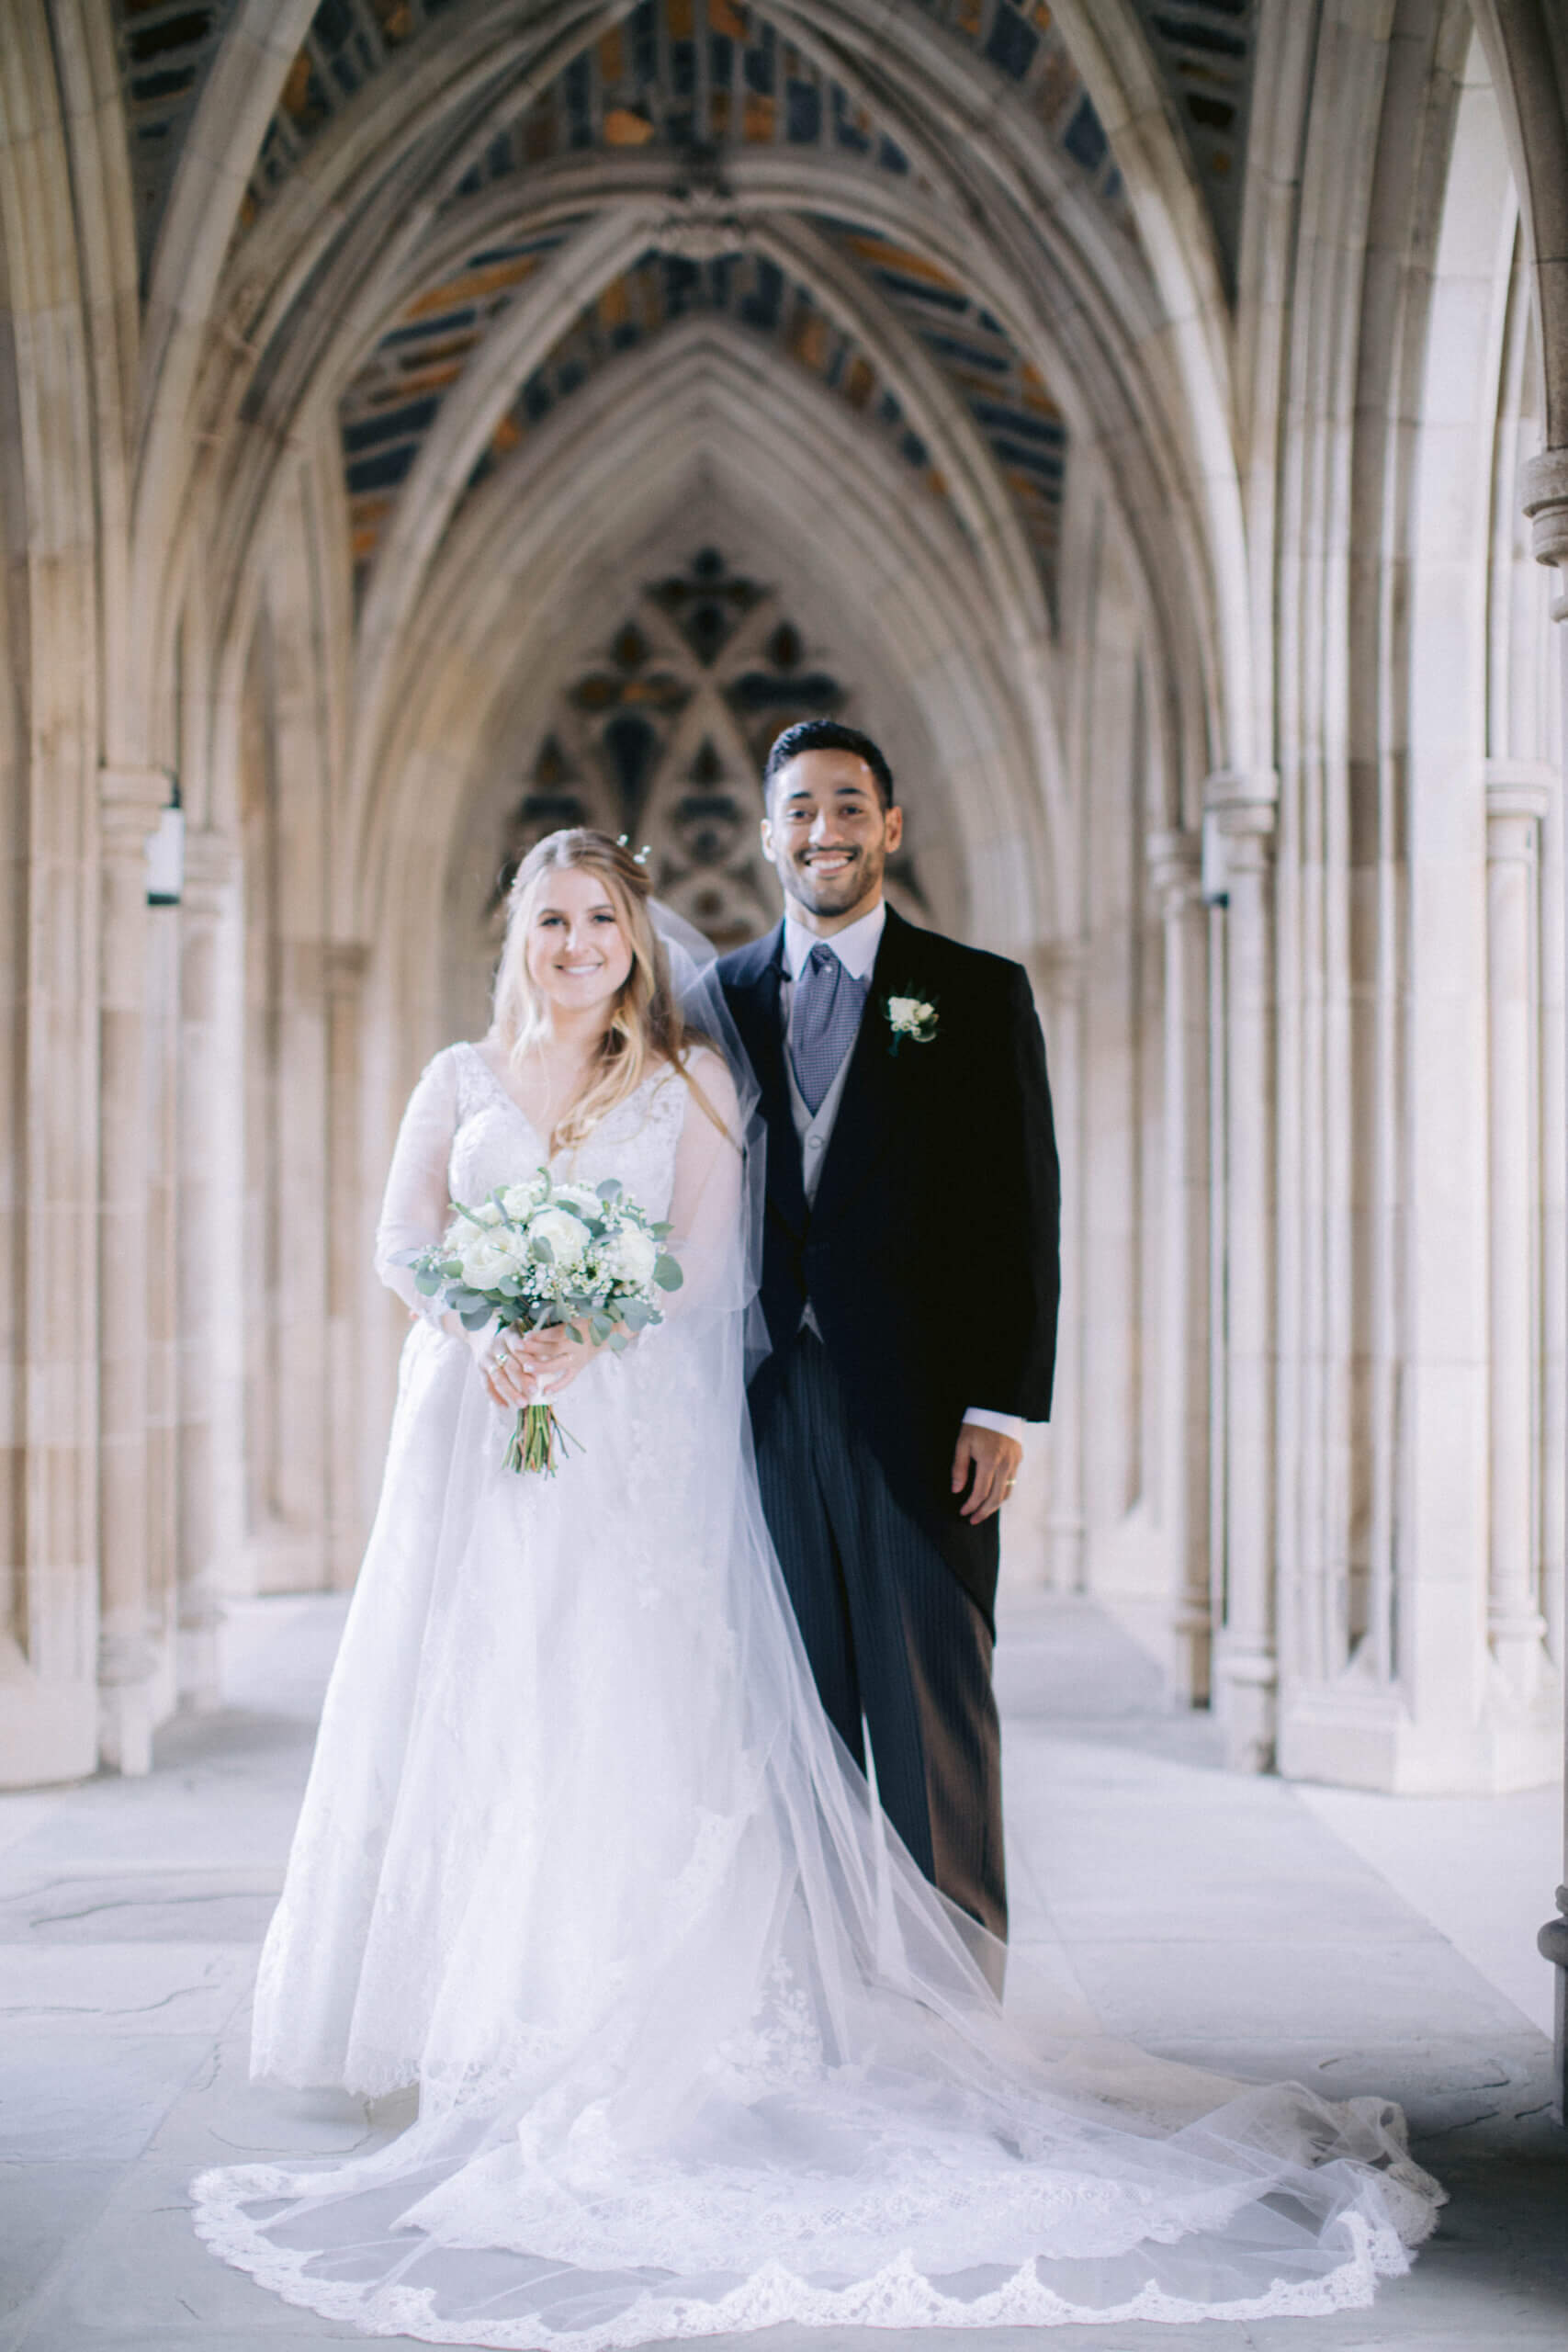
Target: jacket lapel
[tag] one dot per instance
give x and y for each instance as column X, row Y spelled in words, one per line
column 754, row 995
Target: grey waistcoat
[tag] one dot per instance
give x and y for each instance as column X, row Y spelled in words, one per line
column 815, row 1134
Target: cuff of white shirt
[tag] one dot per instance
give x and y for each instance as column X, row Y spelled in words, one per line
column 1009, row 1424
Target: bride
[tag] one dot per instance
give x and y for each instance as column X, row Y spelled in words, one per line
column 696, row 2047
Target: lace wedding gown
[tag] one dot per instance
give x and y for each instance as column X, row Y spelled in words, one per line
column 698, row 2049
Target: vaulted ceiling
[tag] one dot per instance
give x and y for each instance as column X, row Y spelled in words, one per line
column 780, row 189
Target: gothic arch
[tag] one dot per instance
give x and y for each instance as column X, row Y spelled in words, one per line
column 843, row 517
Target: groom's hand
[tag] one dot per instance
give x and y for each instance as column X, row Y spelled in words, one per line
column 987, row 1462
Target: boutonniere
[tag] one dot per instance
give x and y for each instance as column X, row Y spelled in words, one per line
column 911, row 1017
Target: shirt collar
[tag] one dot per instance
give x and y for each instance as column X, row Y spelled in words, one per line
column 855, row 946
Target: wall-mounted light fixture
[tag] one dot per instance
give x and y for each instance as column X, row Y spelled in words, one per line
column 166, row 853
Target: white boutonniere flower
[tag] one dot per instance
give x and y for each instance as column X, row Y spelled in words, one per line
column 911, row 1017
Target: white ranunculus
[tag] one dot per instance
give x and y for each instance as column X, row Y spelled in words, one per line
column 636, row 1254
column 518, row 1200
column 568, row 1237
column 487, row 1214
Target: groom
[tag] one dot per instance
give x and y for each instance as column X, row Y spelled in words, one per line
column 909, row 1282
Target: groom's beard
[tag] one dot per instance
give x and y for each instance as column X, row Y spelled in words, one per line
column 835, row 894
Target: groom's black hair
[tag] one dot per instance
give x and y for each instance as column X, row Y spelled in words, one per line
column 828, row 735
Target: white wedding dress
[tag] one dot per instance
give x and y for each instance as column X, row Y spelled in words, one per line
column 698, row 2049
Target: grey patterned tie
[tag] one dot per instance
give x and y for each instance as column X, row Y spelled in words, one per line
column 823, row 1019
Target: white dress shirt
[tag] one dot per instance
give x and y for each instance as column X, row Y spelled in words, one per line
column 855, row 947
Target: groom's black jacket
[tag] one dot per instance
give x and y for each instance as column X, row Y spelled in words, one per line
column 931, row 1255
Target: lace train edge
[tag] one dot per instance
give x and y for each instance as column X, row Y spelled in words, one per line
column 896, row 2296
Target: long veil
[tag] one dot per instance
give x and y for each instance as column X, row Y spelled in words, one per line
column 804, row 2101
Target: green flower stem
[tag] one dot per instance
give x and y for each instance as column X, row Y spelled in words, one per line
column 537, row 1437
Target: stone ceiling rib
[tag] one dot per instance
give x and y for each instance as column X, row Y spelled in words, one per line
column 953, row 456
column 1207, row 52
column 468, row 419
column 166, row 50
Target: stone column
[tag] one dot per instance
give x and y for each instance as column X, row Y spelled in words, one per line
column 1174, row 869
column 211, row 1110
column 1544, row 487
column 1515, row 1624
column 131, row 801
column 1246, row 1666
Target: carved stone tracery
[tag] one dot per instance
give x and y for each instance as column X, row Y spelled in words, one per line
column 664, row 738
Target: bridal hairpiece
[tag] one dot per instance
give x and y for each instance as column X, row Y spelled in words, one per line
column 640, row 856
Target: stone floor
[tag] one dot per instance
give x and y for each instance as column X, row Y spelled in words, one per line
column 1264, row 1930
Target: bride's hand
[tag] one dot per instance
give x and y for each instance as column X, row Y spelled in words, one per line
column 506, row 1376
column 553, row 1358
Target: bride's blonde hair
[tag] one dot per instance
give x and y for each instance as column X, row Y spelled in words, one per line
column 645, row 1026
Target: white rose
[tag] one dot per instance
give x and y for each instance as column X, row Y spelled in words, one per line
column 909, row 1013
column 567, row 1236
column 488, row 1214
column 636, row 1254
column 518, row 1200
column 488, row 1259
column 580, row 1196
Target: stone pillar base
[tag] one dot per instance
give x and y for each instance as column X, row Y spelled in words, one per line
column 1246, row 1706
column 1366, row 1739
column 49, row 1730
column 200, row 1662
column 125, row 1719
column 1189, row 1646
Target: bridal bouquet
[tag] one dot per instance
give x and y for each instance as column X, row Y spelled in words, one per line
column 540, row 1253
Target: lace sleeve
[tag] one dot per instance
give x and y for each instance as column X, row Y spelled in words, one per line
column 414, row 1206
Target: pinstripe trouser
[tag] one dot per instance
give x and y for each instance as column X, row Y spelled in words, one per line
column 893, row 1638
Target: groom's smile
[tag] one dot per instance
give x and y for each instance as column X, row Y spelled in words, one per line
column 828, row 834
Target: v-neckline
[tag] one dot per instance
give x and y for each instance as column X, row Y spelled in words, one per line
column 499, row 1087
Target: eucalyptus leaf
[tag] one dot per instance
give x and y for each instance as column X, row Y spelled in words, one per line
column 667, row 1273
column 474, row 1318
